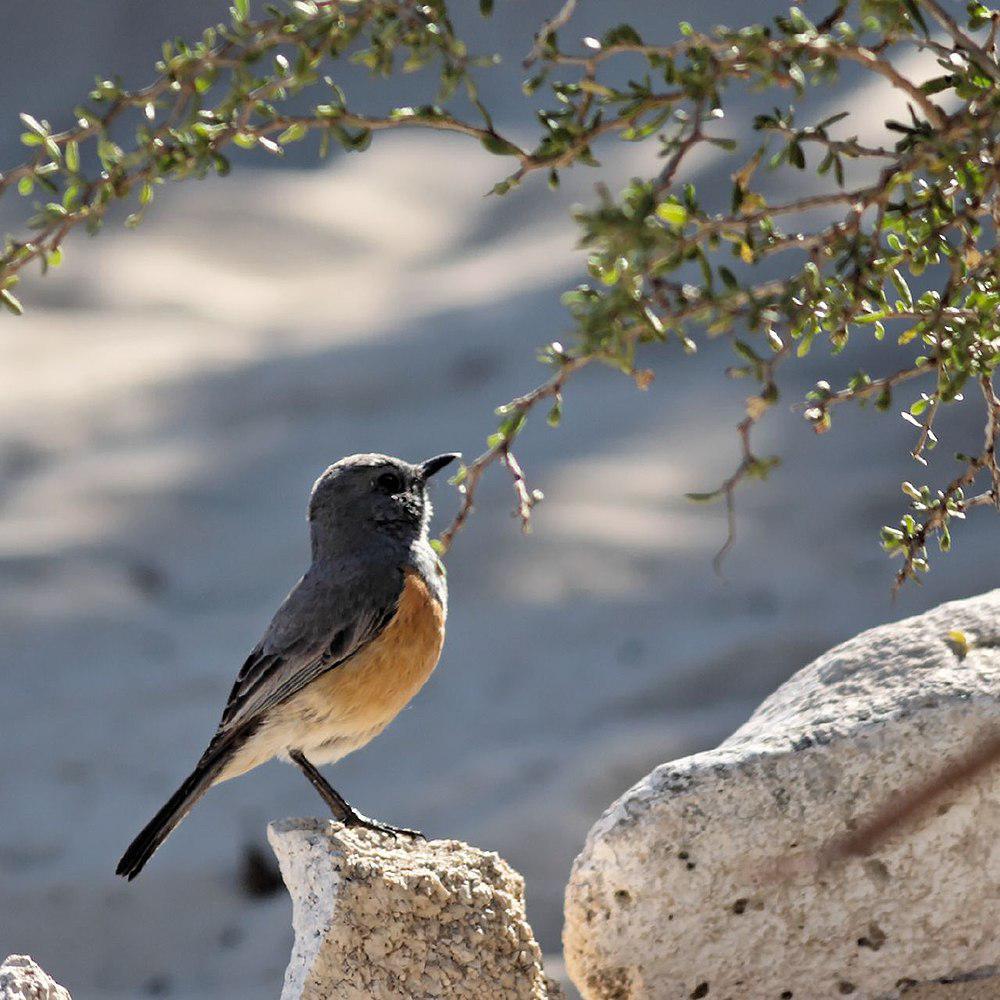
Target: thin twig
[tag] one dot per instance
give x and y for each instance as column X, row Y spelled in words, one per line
column 990, row 437
column 873, row 388
column 867, row 58
column 547, row 30
column 950, row 499
column 850, row 147
column 926, row 435
column 978, row 55
column 885, row 69
column 728, row 490
column 526, row 500
column 501, row 450
column 669, row 171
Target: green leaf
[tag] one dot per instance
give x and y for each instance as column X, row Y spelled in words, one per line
column 622, row 34
column 241, row 9
column 362, row 140
column 35, row 125
column 874, row 317
column 10, row 300
column 498, row 146
column 939, row 83
column 833, row 119
column 902, row 287
column 672, row 212
column 293, row 133
column 654, row 321
column 511, row 427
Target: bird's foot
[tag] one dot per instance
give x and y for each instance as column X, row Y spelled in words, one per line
column 355, row 818
column 342, row 810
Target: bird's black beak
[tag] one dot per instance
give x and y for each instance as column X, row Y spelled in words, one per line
column 434, row 465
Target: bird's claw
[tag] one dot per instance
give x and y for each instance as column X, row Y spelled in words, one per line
column 355, row 818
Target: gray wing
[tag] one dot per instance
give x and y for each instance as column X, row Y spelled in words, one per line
column 320, row 625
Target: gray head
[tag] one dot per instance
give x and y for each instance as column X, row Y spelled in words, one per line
column 363, row 495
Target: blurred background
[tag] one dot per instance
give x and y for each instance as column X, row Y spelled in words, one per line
column 173, row 392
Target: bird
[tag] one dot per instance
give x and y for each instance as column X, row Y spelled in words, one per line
column 350, row 645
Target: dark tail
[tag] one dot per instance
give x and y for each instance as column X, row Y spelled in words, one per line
column 179, row 805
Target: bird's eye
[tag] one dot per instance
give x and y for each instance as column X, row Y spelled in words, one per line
column 389, row 482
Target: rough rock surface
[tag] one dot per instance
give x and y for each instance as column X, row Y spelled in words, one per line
column 975, row 989
column 683, row 888
column 23, row 979
column 377, row 917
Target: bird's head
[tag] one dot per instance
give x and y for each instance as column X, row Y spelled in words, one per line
column 361, row 494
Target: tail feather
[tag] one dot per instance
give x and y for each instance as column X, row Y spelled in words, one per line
column 156, row 831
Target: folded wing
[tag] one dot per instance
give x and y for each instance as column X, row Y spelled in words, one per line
column 320, row 626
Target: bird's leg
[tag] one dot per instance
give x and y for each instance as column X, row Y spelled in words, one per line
column 340, row 807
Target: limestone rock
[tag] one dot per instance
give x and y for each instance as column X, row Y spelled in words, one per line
column 23, row 979
column 378, row 918
column 682, row 888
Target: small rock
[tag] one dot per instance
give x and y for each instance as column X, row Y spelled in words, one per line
column 697, row 881
column 23, row 979
column 377, row 917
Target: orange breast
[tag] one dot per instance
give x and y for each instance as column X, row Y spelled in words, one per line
column 365, row 694
column 344, row 708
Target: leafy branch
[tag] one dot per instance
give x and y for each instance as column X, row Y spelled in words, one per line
column 215, row 94
column 907, row 252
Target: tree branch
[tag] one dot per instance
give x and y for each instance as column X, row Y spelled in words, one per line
column 979, row 55
column 500, row 449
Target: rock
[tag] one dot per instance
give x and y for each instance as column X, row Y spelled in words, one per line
column 697, row 881
column 974, row 989
column 23, row 979
column 377, row 917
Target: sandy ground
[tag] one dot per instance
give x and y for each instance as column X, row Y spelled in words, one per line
column 165, row 407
